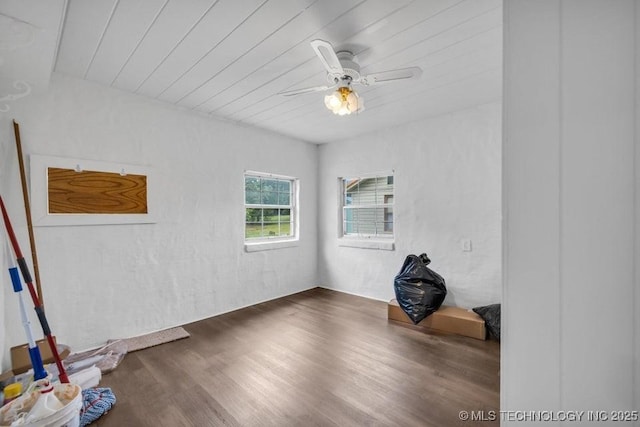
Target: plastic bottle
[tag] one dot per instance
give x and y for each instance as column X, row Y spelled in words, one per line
column 11, row 392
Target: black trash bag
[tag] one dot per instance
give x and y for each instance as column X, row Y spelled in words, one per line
column 491, row 316
column 419, row 290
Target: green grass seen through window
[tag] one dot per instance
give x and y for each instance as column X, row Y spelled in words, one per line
column 270, row 228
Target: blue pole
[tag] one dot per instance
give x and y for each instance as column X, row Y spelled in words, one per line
column 34, row 352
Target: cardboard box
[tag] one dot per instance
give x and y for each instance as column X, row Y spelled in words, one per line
column 21, row 362
column 454, row 320
column 6, row 378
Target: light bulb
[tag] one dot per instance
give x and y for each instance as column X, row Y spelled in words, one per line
column 332, row 101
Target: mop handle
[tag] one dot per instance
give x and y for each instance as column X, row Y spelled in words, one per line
column 24, row 269
column 17, row 288
column 34, row 352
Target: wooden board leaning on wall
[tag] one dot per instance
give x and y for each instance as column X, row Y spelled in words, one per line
column 93, row 192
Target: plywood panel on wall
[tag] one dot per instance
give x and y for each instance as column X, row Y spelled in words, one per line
column 67, row 191
column 95, row 192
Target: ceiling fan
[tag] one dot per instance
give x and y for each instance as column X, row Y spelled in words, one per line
column 342, row 72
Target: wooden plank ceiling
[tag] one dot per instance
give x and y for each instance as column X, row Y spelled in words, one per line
column 230, row 58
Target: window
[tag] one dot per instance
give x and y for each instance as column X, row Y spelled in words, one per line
column 367, row 206
column 269, row 203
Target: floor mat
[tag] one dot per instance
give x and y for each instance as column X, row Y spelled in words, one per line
column 155, row 338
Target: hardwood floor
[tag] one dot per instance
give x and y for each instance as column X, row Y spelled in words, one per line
column 317, row 358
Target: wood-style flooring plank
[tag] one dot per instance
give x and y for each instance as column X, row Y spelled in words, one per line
column 316, row 358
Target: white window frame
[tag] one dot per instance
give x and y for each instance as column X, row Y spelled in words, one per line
column 272, row 242
column 362, row 240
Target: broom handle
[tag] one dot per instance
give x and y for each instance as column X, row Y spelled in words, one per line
column 34, row 351
column 27, row 208
column 26, row 275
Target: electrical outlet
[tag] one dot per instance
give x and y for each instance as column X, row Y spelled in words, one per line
column 466, row 245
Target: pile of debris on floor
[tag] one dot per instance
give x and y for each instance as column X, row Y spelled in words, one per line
column 420, row 293
column 35, row 392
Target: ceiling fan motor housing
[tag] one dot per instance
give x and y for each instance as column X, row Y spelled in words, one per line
column 350, row 67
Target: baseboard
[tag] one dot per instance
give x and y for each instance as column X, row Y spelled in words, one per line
column 353, row 293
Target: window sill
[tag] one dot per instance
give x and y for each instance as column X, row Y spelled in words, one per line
column 267, row 246
column 383, row 245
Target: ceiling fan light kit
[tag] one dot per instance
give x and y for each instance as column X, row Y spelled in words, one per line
column 343, row 70
column 344, row 101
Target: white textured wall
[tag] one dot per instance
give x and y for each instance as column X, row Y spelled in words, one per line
column 110, row 281
column 447, row 187
column 570, row 316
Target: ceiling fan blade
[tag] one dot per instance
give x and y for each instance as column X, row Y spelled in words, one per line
column 305, row 90
column 328, row 56
column 391, row 75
